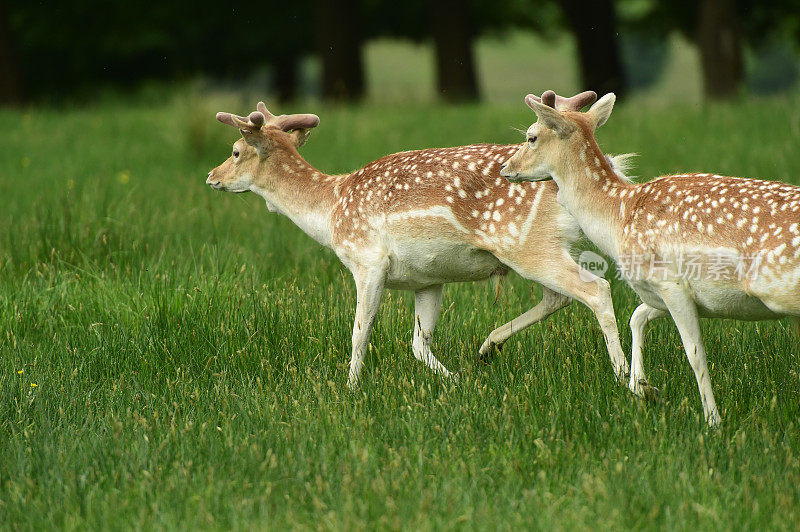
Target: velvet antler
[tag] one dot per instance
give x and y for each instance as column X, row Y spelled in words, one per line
column 263, row 118
column 573, row 103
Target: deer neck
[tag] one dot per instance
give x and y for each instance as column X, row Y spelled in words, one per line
column 292, row 187
column 590, row 189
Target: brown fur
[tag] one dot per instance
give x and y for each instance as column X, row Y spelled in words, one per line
column 419, row 219
column 695, row 210
column 465, row 179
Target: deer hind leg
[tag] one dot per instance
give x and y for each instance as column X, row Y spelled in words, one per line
column 643, row 315
column 563, row 275
column 427, row 305
column 550, row 303
column 369, row 289
column 684, row 313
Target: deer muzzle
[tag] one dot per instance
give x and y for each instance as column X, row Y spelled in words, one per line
column 213, row 181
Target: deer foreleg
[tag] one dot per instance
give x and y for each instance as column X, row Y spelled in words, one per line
column 369, row 289
column 427, row 305
column 595, row 294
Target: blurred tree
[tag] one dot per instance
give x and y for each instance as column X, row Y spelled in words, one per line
column 285, row 38
column 91, row 43
column 10, row 82
column 453, row 27
column 286, row 69
column 720, row 42
column 643, row 58
column 56, row 48
column 339, row 39
column 594, row 26
column 720, row 28
column 772, row 66
column 453, row 35
column 713, row 25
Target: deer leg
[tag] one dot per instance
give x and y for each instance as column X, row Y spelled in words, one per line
column 427, row 305
column 684, row 313
column 550, row 302
column 565, row 277
column 369, row 289
column 643, row 314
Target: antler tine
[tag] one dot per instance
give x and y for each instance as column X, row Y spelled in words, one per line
column 254, row 120
column 300, row 121
column 577, row 102
column 257, row 118
column 264, row 111
column 288, row 122
column 230, row 119
column 573, row 103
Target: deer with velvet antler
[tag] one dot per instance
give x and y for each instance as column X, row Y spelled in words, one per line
column 417, row 220
column 690, row 245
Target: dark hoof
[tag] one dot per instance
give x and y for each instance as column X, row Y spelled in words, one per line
column 487, row 357
column 650, row 393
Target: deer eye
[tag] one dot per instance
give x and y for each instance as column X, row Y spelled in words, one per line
column 235, row 153
column 532, row 139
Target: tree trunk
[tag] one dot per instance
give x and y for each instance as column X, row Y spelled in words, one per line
column 720, row 44
column 10, row 81
column 594, row 24
column 286, row 78
column 453, row 37
column 339, row 44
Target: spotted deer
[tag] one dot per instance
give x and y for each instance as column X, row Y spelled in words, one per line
column 690, row 245
column 416, row 220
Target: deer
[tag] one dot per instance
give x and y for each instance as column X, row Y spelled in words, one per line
column 690, row 245
column 416, row 220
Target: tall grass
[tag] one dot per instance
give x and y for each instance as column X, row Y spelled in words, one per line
column 173, row 357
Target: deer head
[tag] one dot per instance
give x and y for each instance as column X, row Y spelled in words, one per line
column 265, row 138
column 556, row 136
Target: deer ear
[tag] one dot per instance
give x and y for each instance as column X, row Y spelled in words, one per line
column 551, row 118
column 300, row 136
column 601, row 110
column 256, row 139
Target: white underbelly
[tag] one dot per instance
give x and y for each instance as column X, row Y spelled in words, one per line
column 720, row 300
column 417, row 263
column 713, row 300
column 648, row 294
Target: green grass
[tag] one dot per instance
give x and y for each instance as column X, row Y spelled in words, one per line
column 190, row 350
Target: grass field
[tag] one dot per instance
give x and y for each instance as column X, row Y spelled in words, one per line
column 174, row 357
